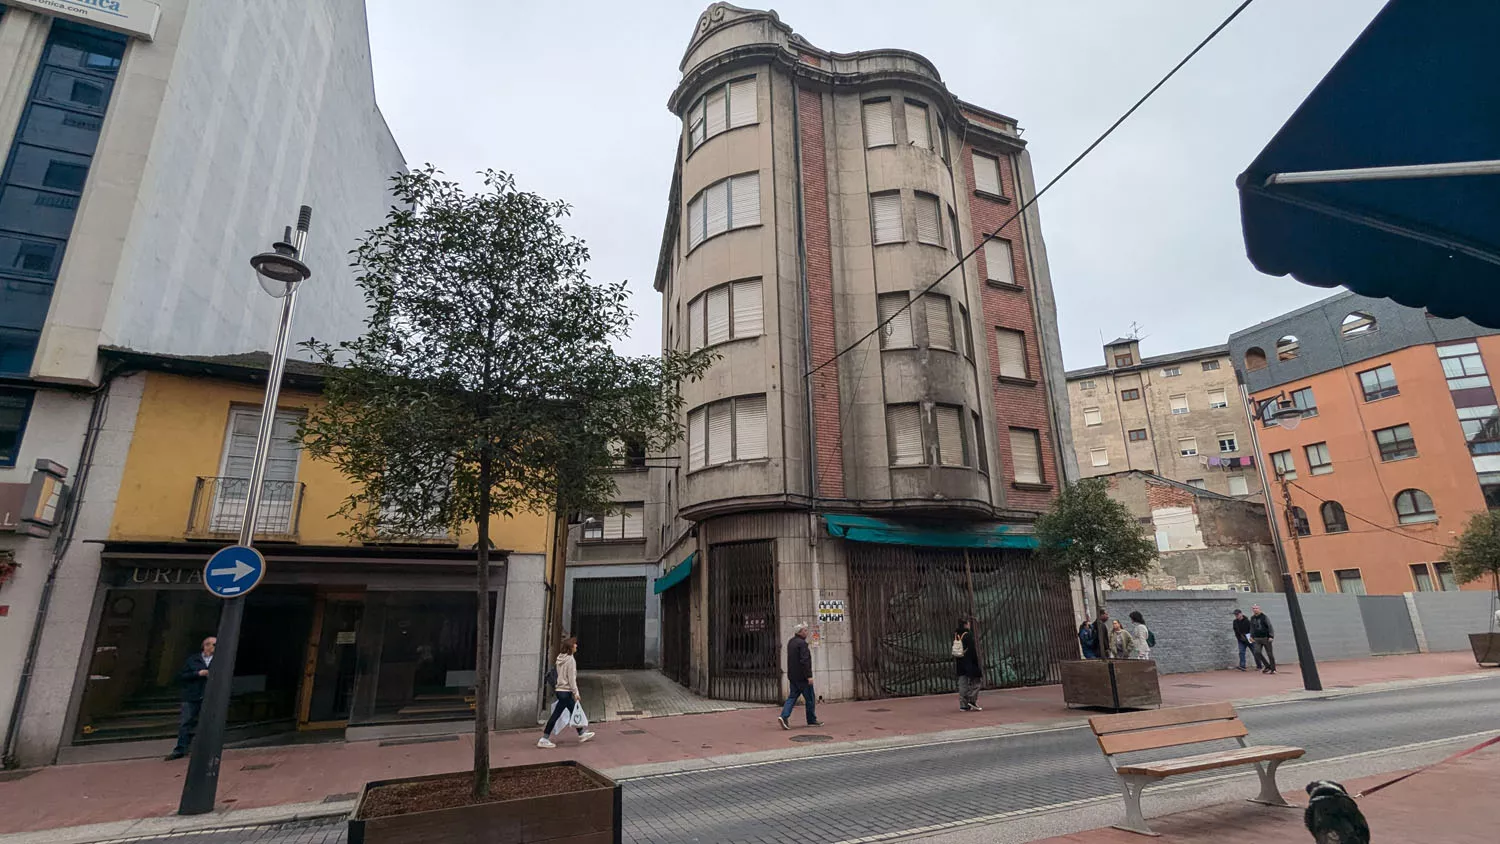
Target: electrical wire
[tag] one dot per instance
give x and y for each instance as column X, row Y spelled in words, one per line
column 1038, row 195
column 1369, row 522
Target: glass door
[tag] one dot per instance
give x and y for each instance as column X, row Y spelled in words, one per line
column 328, row 678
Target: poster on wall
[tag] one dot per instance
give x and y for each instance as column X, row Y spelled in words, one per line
column 830, row 612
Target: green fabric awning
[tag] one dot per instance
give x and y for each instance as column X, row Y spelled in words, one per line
column 678, row 574
column 871, row 529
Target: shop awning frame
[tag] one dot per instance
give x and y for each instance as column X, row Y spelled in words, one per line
column 888, row 532
column 678, row 574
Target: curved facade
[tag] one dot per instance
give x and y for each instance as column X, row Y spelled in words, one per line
column 815, row 196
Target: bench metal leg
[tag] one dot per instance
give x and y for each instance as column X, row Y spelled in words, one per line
column 1132, row 786
column 1269, row 795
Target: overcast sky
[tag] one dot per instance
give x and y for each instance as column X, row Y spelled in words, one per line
column 571, row 97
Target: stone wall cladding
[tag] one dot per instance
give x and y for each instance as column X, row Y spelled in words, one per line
column 828, row 433
column 1193, row 629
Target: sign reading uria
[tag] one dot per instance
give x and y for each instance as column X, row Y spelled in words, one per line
column 131, row 17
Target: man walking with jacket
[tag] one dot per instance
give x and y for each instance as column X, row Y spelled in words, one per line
column 1262, row 634
column 194, row 678
column 1242, row 638
column 800, row 677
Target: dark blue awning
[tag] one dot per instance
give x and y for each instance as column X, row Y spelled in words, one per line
column 871, row 529
column 678, row 574
column 1418, row 91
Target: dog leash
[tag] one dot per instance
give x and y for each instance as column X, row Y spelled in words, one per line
column 1409, row 774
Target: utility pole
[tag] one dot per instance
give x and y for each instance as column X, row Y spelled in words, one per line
column 1305, row 659
column 1292, row 525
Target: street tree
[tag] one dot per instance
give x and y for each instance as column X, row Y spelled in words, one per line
column 485, row 383
column 1477, row 554
column 1087, row 532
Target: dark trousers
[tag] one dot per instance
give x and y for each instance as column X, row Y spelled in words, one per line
column 804, row 691
column 187, row 724
column 1264, row 651
column 1254, row 651
column 564, row 705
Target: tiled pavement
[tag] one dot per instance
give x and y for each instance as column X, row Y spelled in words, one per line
column 628, row 695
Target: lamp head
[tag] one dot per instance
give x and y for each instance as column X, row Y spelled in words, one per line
column 279, row 271
column 1286, row 414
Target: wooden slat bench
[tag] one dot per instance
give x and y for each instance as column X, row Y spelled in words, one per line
column 1178, row 727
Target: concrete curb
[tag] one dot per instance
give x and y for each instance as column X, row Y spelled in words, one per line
column 218, row 821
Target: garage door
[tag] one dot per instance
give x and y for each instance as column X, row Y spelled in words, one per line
column 609, row 619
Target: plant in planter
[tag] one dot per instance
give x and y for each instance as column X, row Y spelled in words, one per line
column 1476, row 558
column 1087, row 533
column 485, row 384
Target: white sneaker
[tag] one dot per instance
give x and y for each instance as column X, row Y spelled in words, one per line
column 545, row 742
column 585, row 737
column 974, row 707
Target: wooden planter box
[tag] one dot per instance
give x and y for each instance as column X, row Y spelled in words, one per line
column 1111, row 683
column 591, row 816
column 1486, row 648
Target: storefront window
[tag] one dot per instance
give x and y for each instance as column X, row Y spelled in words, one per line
column 416, row 658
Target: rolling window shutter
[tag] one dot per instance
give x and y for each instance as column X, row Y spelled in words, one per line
column 986, row 174
column 695, row 125
column 749, row 313
column 878, row 124
column 1026, row 456
column 929, row 220
column 633, row 522
column 1179, row 404
column 695, row 221
column 614, row 525
column 718, row 315
column 998, row 264
column 939, row 322
column 887, row 213
column 905, row 424
column 720, row 444
column 717, row 199
column 746, row 197
column 950, row 433
column 1091, row 416
column 695, row 324
column 717, row 112
column 896, row 333
column 750, row 428
column 1012, row 345
column 742, row 107
column 917, row 129
column 697, row 438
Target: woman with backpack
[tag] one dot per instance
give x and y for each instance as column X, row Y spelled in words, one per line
column 1144, row 638
column 966, row 662
column 566, row 686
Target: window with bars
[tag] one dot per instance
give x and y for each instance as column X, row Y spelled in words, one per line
column 903, row 423
column 726, row 431
column 1395, row 443
column 879, row 130
column 732, row 203
column 1026, row 455
column 999, row 262
column 918, row 130
column 948, row 421
column 1318, row 461
column 1284, row 464
column 731, row 311
column 929, row 219
column 1463, row 366
column 1413, row 506
column 987, row 174
column 1012, row 347
column 725, row 107
column 1379, row 383
column 885, row 217
column 626, row 522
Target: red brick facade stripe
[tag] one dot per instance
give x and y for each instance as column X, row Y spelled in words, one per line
column 827, row 434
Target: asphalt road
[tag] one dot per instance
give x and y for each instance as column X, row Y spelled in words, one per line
column 845, row 796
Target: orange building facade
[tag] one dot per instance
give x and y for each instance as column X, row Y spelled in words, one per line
column 1397, row 447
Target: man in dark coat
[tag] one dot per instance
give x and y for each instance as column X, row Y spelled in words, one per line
column 193, row 677
column 1263, row 635
column 800, row 677
column 1101, row 637
column 1242, row 638
column 970, row 672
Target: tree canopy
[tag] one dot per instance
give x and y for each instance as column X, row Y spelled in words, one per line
column 1477, row 554
column 1087, row 532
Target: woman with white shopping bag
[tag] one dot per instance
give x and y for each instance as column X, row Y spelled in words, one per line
column 568, row 701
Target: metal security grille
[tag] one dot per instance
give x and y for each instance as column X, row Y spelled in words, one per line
column 905, row 602
column 609, row 619
column 744, row 657
column 677, row 630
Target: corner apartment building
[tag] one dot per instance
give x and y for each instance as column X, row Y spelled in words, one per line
column 1398, row 444
column 873, row 483
column 151, row 147
column 1176, row 415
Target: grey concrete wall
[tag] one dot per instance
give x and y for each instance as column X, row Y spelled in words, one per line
column 1334, row 624
column 521, row 649
column 1446, row 619
column 1193, row 628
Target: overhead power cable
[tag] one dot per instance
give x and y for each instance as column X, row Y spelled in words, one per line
column 1385, row 528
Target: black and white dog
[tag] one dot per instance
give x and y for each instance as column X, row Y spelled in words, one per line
column 1332, row 815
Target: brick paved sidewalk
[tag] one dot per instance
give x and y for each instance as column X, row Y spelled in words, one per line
column 1450, row 804
column 75, row 795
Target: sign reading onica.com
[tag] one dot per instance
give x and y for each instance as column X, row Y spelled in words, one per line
column 129, row 17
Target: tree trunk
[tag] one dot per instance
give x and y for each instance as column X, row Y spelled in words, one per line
column 482, row 640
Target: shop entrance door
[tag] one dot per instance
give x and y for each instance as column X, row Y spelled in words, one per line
column 327, row 692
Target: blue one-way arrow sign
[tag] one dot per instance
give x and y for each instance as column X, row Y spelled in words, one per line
column 233, row 571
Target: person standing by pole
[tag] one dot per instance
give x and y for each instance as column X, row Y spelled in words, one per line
column 970, row 671
column 800, row 677
column 193, row 677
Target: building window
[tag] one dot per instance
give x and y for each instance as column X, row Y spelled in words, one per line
column 1421, row 577
column 1413, row 506
column 987, row 174
column 1298, row 519
column 918, row 130
column 727, row 431
column 886, row 217
column 1303, row 400
column 1285, row 466
column 1092, row 417
column 1238, row 485
column 279, row 490
column 15, row 408
column 723, row 108
column 939, row 313
column 1210, row 365
column 1379, row 383
column 1318, row 461
column 1125, row 359
column 1463, row 366
column 1489, row 485
column 999, row 265
column 952, row 449
column 1396, row 443
column 895, row 321
column 1315, row 583
column 1012, row 348
column 626, row 523
column 1171, row 372
column 1446, row 581
column 1481, row 426
column 1334, row 520
column 879, row 131
column 903, row 424
column 1228, row 443
column 1350, row 583
column 1099, row 456
column 1217, row 398
column 1179, row 404
column 1255, row 358
column 728, row 312
column 929, row 219
column 1187, row 446
column 981, row 454
column 1357, row 324
column 1026, row 455
column 965, row 336
column 1287, row 348
column 1137, row 435
column 1086, row 385
column 1131, row 394
column 1197, row 483
column 732, row 203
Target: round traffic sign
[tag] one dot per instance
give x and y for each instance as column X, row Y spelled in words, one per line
column 233, row 571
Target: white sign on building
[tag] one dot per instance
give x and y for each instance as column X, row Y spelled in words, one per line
column 136, row 18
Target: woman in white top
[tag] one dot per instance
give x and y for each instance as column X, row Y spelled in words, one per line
column 1142, row 636
column 567, row 694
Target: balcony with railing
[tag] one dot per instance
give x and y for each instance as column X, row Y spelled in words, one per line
column 219, row 509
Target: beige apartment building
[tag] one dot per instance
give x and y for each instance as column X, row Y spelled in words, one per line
column 1177, row 415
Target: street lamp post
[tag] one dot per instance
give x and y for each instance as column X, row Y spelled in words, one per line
column 280, row 273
